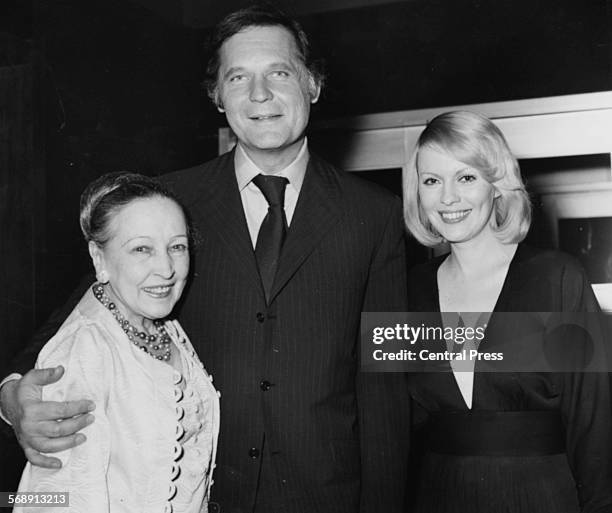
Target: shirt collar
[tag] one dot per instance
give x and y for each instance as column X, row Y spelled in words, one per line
column 246, row 169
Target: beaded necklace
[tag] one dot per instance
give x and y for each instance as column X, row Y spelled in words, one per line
column 156, row 346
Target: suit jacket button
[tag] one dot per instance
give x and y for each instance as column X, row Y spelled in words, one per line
column 261, row 317
column 265, row 385
column 254, row 453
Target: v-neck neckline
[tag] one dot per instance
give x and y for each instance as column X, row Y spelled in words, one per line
column 504, row 291
column 500, row 305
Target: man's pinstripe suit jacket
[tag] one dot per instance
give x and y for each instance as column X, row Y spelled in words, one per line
column 301, row 428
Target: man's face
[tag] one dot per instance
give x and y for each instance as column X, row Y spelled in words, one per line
column 265, row 91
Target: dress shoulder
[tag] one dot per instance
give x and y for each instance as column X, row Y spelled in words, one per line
column 425, row 272
column 555, row 278
column 83, row 347
column 81, row 338
column 548, row 260
column 423, row 285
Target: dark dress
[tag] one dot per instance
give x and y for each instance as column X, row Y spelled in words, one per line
column 577, row 480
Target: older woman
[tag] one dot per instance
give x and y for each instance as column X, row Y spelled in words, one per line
column 152, row 445
column 498, row 441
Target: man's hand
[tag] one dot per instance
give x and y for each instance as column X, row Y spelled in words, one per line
column 43, row 426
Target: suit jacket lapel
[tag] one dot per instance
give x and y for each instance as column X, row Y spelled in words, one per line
column 219, row 211
column 317, row 210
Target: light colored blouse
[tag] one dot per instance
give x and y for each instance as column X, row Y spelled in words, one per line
column 153, row 443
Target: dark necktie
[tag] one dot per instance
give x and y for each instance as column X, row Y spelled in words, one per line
column 273, row 228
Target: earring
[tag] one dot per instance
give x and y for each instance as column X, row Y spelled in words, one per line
column 102, row 277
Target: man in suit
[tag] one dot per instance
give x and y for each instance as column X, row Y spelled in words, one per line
column 285, row 268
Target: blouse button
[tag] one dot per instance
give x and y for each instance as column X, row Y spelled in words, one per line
column 171, row 491
column 200, row 425
column 175, row 471
column 190, row 393
column 180, row 431
column 177, row 451
column 168, row 508
column 196, row 409
column 178, row 377
column 180, row 412
column 178, row 394
column 218, row 394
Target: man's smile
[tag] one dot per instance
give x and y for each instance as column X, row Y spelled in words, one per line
column 265, row 117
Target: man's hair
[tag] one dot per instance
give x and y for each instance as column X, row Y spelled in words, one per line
column 476, row 141
column 258, row 15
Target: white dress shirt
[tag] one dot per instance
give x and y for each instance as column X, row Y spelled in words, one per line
column 253, row 201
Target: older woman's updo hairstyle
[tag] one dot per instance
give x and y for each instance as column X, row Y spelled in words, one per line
column 106, row 195
column 476, row 141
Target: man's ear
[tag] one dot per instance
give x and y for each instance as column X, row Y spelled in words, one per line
column 216, row 98
column 314, row 88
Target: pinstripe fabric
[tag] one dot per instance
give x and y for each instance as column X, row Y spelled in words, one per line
column 334, row 438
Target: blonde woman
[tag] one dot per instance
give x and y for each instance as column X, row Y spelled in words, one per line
column 498, row 441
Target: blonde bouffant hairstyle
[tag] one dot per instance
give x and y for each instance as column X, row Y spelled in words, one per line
column 474, row 140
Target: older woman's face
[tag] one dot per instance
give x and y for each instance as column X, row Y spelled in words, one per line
column 456, row 198
column 146, row 258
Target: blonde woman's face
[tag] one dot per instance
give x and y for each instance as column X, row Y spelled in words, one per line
column 456, row 198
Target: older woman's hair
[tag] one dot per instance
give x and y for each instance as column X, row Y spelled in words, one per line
column 474, row 140
column 106, row 195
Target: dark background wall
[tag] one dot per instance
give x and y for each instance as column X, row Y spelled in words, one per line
column 92, row 86
column 448, row 52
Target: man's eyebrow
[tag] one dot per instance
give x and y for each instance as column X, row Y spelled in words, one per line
column 282, row 64
column 232, row 71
